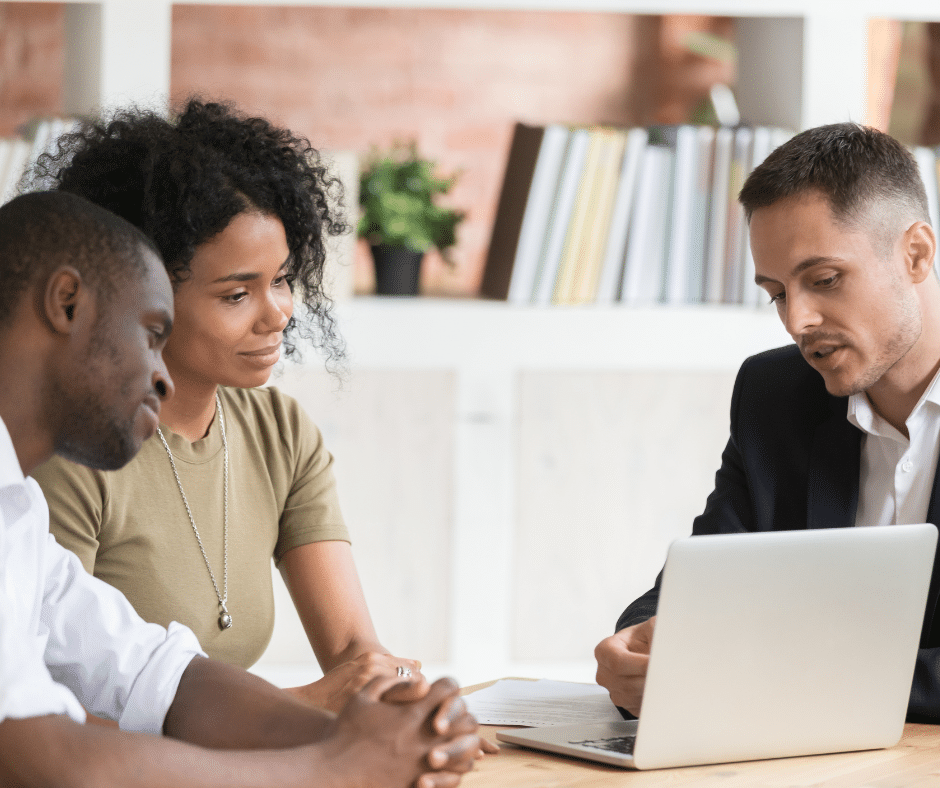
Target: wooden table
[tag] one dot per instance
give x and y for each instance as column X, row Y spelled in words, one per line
column 913, row 763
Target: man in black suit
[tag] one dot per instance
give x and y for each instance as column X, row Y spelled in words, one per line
column 843, row 428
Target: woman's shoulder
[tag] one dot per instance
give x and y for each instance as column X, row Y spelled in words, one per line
column 261, row 400
column 273, row 414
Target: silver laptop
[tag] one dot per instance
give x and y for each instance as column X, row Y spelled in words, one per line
column 770, row 645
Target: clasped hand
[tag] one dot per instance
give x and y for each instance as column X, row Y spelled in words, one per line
column 429, row 742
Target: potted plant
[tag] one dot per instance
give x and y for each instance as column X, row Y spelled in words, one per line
column 400, row 219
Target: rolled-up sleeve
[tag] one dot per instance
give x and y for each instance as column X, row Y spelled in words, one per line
column 117, row 665
column 26, row 687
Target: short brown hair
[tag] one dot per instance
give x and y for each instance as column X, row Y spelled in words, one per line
column 853, row 166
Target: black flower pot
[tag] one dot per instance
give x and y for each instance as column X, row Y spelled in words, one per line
column 396, row 270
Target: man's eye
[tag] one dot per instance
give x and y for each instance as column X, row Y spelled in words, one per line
column 776, row 298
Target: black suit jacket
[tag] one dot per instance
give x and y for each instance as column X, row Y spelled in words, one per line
column 792, row 462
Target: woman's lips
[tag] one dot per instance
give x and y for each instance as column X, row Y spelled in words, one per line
column 263, row 357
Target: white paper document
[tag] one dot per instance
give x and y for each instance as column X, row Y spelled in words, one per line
column 543, row 702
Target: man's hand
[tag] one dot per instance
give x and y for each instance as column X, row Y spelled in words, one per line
column 622, row 661
column 335, row 689
column 429, row 742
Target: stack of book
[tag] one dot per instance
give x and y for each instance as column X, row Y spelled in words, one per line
column 638, row 216
column 18, row 154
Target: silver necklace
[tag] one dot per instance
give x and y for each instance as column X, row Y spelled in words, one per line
column 225, row 620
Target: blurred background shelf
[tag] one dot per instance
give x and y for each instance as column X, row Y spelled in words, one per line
column 467, row 334
column 513, row 475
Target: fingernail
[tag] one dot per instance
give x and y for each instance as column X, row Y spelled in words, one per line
column 437, row 759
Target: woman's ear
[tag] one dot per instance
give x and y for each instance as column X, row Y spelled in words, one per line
column 62, row 294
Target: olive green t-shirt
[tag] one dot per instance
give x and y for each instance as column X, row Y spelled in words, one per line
column 130, row 528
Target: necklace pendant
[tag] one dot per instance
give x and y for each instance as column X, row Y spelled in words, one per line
column 225, row 620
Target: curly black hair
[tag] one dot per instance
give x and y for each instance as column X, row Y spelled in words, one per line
column 182, row 180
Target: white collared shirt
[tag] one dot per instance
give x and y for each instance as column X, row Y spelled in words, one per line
column 67, row 639
column 896, row 475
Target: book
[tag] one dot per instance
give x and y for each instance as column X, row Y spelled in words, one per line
column 734, row 258
column 701, row 208
column 538, row 207
column 644, row 267
column 611, row 277
column 718, row 219
column 596, row 217
column 517, row 193
column 573, row 253
column 598, row 228
column 570, row 178
column 683, row 139
column 751, row 294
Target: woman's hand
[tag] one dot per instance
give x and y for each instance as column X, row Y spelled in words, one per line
column 342, row 682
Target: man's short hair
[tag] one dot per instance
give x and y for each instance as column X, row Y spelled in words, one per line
column 854, row 167
column 44, row 230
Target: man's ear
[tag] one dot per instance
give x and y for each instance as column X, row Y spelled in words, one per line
column 61, row 298
column 921, row 246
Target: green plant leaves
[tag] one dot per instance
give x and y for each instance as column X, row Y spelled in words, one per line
column 397, row 195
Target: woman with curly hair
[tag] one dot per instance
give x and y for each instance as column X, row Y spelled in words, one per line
column 236, row 474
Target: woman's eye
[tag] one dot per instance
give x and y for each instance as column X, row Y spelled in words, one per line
column 234, row 298
column 777, row 298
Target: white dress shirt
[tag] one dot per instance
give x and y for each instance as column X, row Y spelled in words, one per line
column 67, row 639
column 896, row 475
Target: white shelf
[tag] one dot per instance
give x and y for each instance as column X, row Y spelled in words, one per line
column 429, row 333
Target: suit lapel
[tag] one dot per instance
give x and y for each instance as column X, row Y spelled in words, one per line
column 933, row 509
column 832, row 495
column 933, row 516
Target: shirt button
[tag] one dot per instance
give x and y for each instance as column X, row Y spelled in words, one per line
column 907, row 466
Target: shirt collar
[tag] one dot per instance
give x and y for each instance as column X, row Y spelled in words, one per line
column 10, row 471
column 861, row 414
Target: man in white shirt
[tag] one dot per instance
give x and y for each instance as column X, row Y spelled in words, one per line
column 85, row 309
column 841, row 429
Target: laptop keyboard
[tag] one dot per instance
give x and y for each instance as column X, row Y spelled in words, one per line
column 622, row 744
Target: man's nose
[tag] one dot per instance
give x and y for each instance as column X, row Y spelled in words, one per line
column 801, row 314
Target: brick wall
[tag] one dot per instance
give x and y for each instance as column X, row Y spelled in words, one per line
column 30, row 62
column 454, row 80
